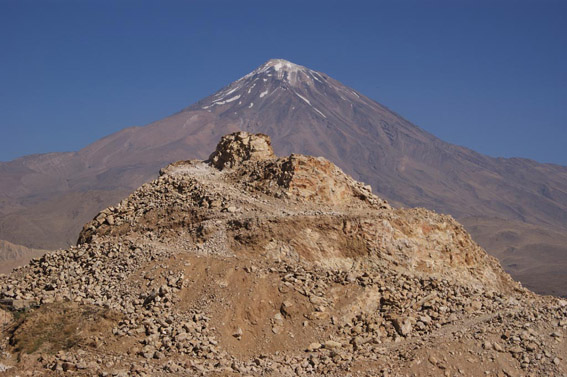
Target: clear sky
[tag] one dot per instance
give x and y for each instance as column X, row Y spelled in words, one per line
column 490, row 75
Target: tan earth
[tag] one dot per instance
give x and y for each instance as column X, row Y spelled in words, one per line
column 250, row 264
column 12, row 256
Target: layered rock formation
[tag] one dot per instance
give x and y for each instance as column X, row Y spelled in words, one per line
column 250, row 264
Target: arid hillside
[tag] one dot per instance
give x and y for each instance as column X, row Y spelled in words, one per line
column 253, row 264
column 16, row 255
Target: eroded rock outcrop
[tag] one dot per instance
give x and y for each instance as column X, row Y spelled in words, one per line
column 241, row 146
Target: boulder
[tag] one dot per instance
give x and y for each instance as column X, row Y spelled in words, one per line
column 241, row 146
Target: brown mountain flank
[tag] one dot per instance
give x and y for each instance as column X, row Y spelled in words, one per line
column 307, row 112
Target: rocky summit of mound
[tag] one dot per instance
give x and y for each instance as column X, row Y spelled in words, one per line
column 253, row 264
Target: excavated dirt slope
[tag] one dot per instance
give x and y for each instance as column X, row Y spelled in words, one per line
column 250, row 264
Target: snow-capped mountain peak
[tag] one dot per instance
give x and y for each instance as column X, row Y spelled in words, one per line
column 286, row 71
column 278, row 81
column 280, row 67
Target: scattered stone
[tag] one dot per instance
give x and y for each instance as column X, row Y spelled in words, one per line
column 402, row 325
column 331, row 344
column 323, row 257
column 314, row 347
column 238, row 333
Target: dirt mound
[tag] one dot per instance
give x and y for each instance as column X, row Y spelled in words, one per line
column 250, row 264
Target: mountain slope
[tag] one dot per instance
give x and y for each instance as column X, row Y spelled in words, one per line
column 16, row 255
column 303, row 111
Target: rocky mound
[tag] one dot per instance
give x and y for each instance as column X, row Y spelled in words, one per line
column 250, row 264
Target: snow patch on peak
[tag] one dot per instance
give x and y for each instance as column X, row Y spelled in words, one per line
column 278, row 66
column 303, row 98
column 219, row 102
column 309, row 103
column 283, row 65
column 284, row 70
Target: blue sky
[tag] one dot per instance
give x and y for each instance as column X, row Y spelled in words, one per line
column 489, row 75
